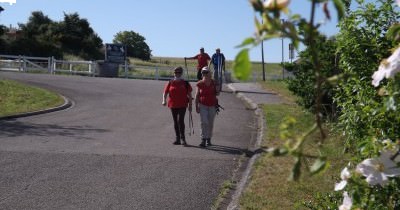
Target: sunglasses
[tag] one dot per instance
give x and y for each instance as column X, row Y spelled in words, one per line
column 178, row 72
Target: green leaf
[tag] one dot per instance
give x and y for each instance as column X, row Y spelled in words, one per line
column 394, row 32
column 242, row 65
column 319, row 165
column 247, row 41
column 340, row 7
column 296, row 170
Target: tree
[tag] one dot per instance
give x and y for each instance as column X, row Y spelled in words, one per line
column 78, row 38
column 3, row 44
column 36, row 37
column 136, row 45
column 302, row 84
column 362, row 44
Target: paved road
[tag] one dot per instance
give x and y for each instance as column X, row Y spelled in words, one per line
column 113, row 149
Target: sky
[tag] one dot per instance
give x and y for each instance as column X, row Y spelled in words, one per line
column 172, row 28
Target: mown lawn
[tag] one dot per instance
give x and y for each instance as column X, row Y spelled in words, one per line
column 20, row 98
column 269, row 187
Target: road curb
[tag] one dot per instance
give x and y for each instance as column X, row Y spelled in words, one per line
column 234, row 203
column 248, row 102
column 67, row 103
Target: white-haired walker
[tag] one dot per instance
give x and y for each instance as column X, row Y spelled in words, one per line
column 206, row 102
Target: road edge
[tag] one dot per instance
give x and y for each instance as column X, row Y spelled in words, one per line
column 244, row 180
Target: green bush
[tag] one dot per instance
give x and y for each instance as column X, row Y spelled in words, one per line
column 303, row 83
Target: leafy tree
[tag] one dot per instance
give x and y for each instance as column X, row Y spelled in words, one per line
column 302, row 84
column 78, row 38
column 136, row 45
column 362, row 45
column 3, row 43
column 36, row 37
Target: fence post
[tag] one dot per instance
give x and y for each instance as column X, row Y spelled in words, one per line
column 70, row 67
column 54, row 65
column 20, row 63
column 49, row 59
column 90, row 68
column 126, row 69
column 24, row 64
column 157, row 73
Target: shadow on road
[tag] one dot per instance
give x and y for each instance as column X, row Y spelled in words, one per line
column 12, row 128
column 222, row 149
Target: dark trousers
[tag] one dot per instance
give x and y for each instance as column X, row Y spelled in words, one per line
column 178, row 114
column 199, row 76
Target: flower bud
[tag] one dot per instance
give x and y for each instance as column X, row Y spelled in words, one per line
column 276, row 4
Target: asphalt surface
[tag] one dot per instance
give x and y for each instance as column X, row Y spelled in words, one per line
column 112, row 149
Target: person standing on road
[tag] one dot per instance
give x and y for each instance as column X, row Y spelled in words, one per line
column 202, row 61
column 179, row 93
column 206, row 102
column 218, row 61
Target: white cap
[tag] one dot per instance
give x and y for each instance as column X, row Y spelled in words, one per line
column 205, row 69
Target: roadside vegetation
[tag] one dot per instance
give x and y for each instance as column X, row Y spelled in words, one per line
column 270, row 187
column 350, row 84
column 18, row 98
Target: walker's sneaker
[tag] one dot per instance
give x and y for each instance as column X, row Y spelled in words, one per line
column 177, row 141
column 208, row 142
column 203, row 143
column 184, row 142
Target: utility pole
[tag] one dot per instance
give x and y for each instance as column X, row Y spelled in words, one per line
column 262, row 54
column 283, row 68
column 262, row 59
column 291, row 52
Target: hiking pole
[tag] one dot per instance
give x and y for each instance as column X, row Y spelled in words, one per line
column 191, row 129
column 220, row 72
column 187, row 71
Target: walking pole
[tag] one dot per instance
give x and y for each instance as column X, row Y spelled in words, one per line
column 191, row 129
column 220, row 72
column 187, row 71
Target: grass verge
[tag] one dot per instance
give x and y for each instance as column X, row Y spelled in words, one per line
column 269, row 187
column 16, row 98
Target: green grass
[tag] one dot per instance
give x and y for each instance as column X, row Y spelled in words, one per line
column 279, row 87
column 269, row 187
column 272, row 70
column 18, row 98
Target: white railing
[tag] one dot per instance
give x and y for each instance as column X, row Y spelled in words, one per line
column 90, row 68
column 24, row 63
column 74, row 67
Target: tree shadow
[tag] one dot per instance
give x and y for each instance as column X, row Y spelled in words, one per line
column 12, row 128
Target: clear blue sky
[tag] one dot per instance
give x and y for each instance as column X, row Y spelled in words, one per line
column 172, row 28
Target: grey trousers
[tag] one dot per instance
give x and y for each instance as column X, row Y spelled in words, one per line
column 207, row 116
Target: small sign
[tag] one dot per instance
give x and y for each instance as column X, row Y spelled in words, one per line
column 115, row 53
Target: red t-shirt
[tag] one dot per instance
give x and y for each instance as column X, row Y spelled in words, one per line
column 207, row 94
column 202, row 60
column 177, row 91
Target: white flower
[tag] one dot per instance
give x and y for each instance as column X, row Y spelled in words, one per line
column 276, row 4
column 344, row 175
column 347, row 202
column 388, row 68
column 398, row 2
column 377, row 170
